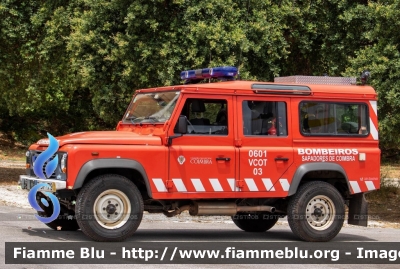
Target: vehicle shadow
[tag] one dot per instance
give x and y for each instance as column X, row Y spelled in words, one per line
column 231, row 234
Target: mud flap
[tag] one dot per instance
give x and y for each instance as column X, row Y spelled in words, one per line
column 358, row 210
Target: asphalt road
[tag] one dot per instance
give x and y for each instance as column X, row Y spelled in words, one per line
column 19, row 225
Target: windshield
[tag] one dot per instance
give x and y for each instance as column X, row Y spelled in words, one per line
column 151, row 107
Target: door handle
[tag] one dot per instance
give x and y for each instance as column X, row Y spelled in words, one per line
column 227, row 159
column 282, row 159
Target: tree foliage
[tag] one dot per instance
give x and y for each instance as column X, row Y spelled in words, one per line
column 73, row 65
column 381, row 55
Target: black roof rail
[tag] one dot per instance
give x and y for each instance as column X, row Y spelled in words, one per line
column 280, row 89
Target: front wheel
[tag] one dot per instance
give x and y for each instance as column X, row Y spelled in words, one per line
column 109, row 208
column 316, row 212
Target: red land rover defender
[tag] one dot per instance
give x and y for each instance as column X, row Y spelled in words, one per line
column 301, row 146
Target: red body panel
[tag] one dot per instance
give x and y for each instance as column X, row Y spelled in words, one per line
column 232, row 165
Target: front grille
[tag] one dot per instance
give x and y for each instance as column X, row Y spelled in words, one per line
column 36, row 154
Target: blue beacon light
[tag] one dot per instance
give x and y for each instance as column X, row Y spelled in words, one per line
column 223, row 72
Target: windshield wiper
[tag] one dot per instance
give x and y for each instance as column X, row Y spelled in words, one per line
column 153, row 119
column 131, row 119
column 140, row 119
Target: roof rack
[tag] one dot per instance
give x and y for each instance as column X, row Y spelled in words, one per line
column 317, row 80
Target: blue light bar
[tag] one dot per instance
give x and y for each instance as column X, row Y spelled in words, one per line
column 227, row 72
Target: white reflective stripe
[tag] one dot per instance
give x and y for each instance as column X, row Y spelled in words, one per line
column 374, row 131
column 159, row 185
column 179, row 184
column 268, row 184
column 251, row 184
column 285, row 184
column 215, row 184
column 232, row 183
column 197, row 184
column 354, row 185
column 374, row 107
column 370, row 185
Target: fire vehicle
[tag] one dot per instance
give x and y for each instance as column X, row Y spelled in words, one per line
column 302, row 147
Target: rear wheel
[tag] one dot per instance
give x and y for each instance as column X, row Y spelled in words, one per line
column 255, row 222
column 316, row 212
column 109, row 208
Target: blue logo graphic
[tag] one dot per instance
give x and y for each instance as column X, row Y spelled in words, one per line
column 49, row 169
column 34, row 204
column 46, row 155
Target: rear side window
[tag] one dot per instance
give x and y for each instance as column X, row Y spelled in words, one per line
column 333, row 119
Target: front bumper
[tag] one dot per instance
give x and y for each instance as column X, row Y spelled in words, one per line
column 27, row 182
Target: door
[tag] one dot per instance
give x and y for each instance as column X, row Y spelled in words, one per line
column 265, row 146
column 202, row 162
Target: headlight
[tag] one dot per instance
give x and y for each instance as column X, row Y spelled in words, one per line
column 63, row 163
column 28, row 159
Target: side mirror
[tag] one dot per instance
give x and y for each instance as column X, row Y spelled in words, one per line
column 181, row 126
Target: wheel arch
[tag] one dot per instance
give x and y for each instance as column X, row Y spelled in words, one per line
column 304, row 170
column 128, row 168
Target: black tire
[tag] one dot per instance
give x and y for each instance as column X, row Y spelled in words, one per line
column 109, row 208
column 316, row 212
column 66, row 220
column 255, row 223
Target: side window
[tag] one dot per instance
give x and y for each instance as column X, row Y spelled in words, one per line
column 206, row 116
column 264, row 118
column 327, row 119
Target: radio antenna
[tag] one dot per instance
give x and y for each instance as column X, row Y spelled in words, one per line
column 209, row 79
column 246, row 23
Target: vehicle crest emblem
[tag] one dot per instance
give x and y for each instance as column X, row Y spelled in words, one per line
column 181, row 160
